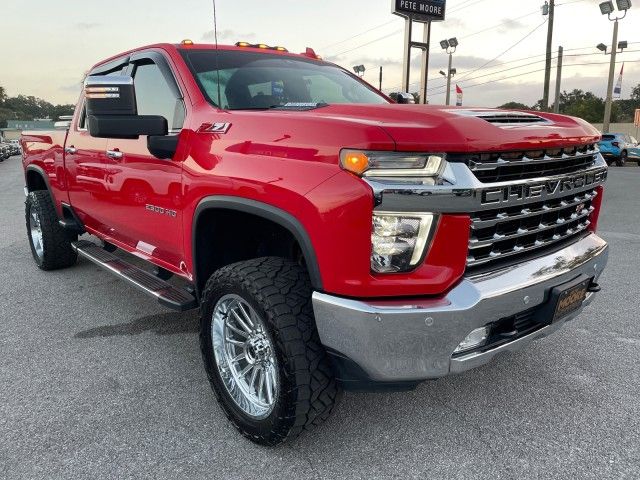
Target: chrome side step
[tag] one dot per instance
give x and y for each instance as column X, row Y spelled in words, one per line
column 166, row 294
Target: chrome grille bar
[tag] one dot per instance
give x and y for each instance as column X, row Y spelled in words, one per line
column 495, row 167
column 505, row 233
column 522, row 232
column 485, row 221
column 476, row 166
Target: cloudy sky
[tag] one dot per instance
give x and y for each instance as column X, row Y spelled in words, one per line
column 47, row 45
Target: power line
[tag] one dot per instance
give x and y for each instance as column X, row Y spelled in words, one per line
column 358, row 34
column 506, row 51
column 569, row 3
column 541, row 70
column 368, row 43
column 459, row 7
column 499, row 25
column 439, row 87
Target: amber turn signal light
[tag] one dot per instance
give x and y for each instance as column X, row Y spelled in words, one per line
column 355, row 162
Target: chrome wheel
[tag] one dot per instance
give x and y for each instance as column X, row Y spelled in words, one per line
column 36, row 232
column 245, row 356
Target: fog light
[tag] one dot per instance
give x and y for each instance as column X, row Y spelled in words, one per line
column 475, row 339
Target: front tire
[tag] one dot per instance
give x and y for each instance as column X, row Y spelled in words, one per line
column 261, row 350
column 50, row 243
column 623, row 159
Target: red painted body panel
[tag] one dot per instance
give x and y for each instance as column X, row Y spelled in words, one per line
column 289, row 160
column 45, row 150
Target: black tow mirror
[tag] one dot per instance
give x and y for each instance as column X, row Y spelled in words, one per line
column 112, row 110
column 404, row 98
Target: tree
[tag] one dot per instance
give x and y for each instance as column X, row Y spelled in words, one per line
column 635, row 94
column 585, row 105
column 24, row 107
column 514, row 106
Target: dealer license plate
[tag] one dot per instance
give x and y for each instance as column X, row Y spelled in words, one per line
column 571, row 299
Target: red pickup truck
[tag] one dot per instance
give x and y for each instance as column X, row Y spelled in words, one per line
column 331, row 238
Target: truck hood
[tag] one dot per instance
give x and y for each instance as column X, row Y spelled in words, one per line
column 454, row 129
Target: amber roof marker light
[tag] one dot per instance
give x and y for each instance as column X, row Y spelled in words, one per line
column 262, row 46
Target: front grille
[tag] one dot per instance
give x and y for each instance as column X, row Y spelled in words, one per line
column 508, row 233
column 521, row 165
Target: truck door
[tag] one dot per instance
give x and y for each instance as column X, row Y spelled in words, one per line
column 145, row 207
column 84, row 162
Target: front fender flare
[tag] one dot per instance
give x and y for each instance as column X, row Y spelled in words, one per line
column 268, row 212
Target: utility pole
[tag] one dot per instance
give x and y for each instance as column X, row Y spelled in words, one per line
column 612, row 71
column 547, row 72
column 556, row 105
column 380, row 88
column 449, row 79
column 424, row 79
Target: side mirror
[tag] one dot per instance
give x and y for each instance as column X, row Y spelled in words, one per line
column 112, row 111
column 403, row 98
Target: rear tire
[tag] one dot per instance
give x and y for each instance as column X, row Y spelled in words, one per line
column 50, row 243
column 276, row 294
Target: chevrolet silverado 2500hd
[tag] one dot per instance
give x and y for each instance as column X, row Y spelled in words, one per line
column 331, row 238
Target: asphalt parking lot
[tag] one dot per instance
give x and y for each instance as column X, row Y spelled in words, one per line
column 98, row 381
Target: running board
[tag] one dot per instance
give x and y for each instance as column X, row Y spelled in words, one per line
column 166, row 294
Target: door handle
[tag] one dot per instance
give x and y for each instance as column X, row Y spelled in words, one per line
column 71, row 150
column 115, row 154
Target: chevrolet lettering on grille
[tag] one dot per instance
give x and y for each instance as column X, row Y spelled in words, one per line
column 512, row 194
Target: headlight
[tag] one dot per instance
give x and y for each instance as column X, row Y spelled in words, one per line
column 398, row 241
column 392, row 164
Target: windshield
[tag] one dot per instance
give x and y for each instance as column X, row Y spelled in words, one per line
column 254, row 81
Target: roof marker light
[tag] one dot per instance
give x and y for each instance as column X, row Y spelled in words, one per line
column 187, row 42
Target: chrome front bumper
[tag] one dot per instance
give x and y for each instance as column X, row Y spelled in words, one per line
column 414, row 340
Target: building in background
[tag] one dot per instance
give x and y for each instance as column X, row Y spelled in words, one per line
column 16, row 127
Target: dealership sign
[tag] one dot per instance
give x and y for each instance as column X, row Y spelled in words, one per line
column 420, row 10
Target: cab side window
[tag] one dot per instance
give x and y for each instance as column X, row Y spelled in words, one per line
column 154, row 96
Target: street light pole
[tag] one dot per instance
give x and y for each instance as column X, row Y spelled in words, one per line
column 606, row 8
column 450, row 46
column 612, row 72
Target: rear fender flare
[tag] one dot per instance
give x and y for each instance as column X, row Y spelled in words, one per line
column 40, row 172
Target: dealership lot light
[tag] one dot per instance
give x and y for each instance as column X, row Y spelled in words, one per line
column 623, row 4
column 606, row 8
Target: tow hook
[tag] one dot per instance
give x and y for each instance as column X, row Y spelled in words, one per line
column 594, row 288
